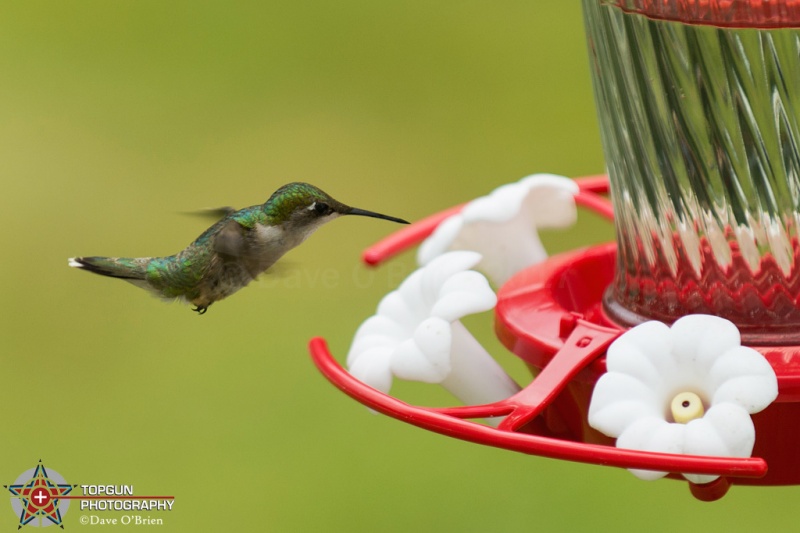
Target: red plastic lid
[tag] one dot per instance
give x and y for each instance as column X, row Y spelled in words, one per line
column 731, row 13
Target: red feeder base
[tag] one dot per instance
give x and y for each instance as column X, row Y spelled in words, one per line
column 551, row 316
column 536, row 306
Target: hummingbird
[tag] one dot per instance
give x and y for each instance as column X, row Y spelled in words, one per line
column 233, row 251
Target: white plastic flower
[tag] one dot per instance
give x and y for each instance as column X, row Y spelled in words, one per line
column 502, row 225
column 416, row 334
column 688, row 389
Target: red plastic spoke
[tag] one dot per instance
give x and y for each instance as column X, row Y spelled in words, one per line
column 598, row 183
column 586, row 343
column 407, row 237
column 413, row 234
column 598, row 204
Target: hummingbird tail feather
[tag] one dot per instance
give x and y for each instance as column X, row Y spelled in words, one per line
column 131, row 269
column 134, row 270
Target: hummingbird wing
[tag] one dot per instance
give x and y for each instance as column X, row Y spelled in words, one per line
column 230, row 241
column 216, row 213
column 233, row 245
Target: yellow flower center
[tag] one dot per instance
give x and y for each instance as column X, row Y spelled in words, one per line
column 686, row 406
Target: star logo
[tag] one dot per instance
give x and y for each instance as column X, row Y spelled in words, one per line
column 36, row 494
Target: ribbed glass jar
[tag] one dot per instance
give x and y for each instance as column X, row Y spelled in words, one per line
column 700, row 123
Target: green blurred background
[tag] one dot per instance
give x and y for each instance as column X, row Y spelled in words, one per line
column 118, row 117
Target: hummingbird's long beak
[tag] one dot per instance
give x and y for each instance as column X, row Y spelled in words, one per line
column 365, row 213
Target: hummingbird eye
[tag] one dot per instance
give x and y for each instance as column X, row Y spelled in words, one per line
column 321, row 208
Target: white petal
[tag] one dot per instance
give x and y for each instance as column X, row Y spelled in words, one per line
column 413, row 295
column 650, row 341
column 475, row 378
column 501, row 205
column 544, row 198
column 726, row 430
column 618, row 401
column 426, row 357
column 365, row 343
column 396, row 308
column 734, row 428
column 374, row 331
column 438, row 271
column 441, row 240
column 506, row 248
column 742, row 376
column 551, row 200
column 464, row 294
column 373, row 368
column 381, row 326
column 699, row 339
column 502, row 225
column 703, row 439
column 652, row 434
column 643, row 354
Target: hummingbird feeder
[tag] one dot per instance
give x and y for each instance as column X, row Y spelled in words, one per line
column 673, row 351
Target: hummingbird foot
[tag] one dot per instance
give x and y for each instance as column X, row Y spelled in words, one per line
column 200, row 309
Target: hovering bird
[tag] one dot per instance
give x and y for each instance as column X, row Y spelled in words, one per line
column 232, row 252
